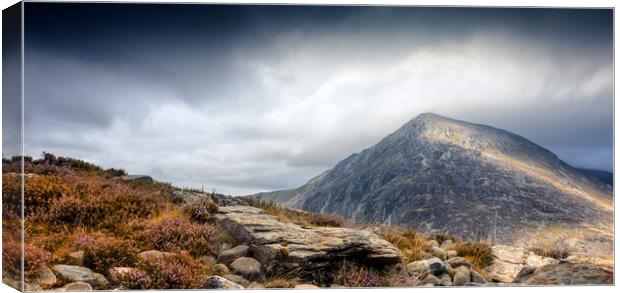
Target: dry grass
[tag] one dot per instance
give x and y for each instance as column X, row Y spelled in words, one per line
column 410, row 242
column 281, row 282
column 478, row 253
column 298, row 217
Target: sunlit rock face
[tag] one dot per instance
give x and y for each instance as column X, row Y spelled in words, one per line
column 437, row 174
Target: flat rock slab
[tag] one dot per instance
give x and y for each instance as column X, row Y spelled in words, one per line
column 75, row 274
column 279, row 244
column 571, row 274
column 508, row 262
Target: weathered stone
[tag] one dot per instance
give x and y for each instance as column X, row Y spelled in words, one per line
column 138, row 178
column 418, row 269
column 464, row 270
column 508, row 262
column 306, row 286
column 436, row 266
column 281, row 245
column 336, row 286
column 248, row 267
column 221, row 269
column 445, row 279
column 477, row 278
column 571, row 274
column 77, row 286
column 102, row 282
column 45, row 277
column 447, row 245
column 431, row 243
column 151, row 255
column 425, row 255
column 217, row 282
column 431, row 279
column 75, row 274
column 451, row 253
column 460, row 279
column 525, row 273
column 438, row 252
column 458, row 261
column 75, row 258
column 228, row 256
column 237, row 279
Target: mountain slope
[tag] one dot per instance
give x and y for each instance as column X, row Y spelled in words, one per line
column 603, row 176
column 437, row 174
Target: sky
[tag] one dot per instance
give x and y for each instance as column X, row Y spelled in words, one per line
column 254, row 98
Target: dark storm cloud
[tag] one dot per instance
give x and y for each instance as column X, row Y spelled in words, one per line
column 248, row 98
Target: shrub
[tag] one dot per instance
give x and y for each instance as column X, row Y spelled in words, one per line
column 408, row 241
column 179, row 271
column 201, row 208
column 351, row 274
column 440, row 238
column 478, row 253
column 103, row 252
column 176, row 234
column 555, row 252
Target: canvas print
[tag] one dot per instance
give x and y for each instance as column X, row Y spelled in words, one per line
column 211, row 146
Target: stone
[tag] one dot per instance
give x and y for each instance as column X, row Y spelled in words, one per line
column 75, row 274
column 458, row 261
column 313, row 247
column 508, row 262
column 425, row 255
column 431, row 243
column 76, row 258
column 336, row 286
column 445, row 280
column 151, row 255
column 237, row 279
column 247, row 267
column 525, row 273
column 438, row 252
column 228, row 256
column 477, row 278
column 306, row 286
column 77, row 286
column 45, row 277
column 451, row 253
column 255, row 285
column 460, row 279
column 207, row 259
column 138, row 178
column 431, row 279
column 436, row 266
column 221, row 269
column 102, row 282
column 571, row 274
column 418, row 269
column 447, row 245
column 464, row 270
column 218, row 282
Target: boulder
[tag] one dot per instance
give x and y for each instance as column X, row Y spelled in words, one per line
column 508, row 262
column 447, row 244
column 75, row 258
column 525, row 273
column 151, row 255
column 45, row 277
column 281, row 245
column 228, row 256
column 477, row 278
column 571, row 274
column 217, row 282
column 431, row 279
column 207, row 259
column 460, row 279
column 237, row 279
column 438, row 252
column 425, row 255
column 436, row 266
column 247, row 267
column 77, row 286
column 306, row 286
column 102, row 282
column 138, row 178
column 75, row 274
column 451, row 253
column 445, row 280
column 221, row 269
column 464, row 270
column 418, row 269
column 458, row 261
column 431, row 243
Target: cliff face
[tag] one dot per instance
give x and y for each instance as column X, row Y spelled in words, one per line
column 437, row 174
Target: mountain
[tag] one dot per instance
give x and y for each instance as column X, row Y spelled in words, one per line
column 438, row 174
column 603, row 176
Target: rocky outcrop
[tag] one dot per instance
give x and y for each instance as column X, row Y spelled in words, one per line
column 567, row 273
column 452, row 272
column 75, row 274
column 228, row 256
column 508, row 262
column 277, row 244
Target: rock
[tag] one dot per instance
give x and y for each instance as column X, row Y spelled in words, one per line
column 431, row 279
column 445, row 280
column 431, row 243
column 45, row 277
column 227, row 256
column 425, row 255
column 460, row 279
column 221, row 269
column 306, row 286
column 439, row 253
column 477, row 278
column 255, row 285
column 508, row 262
column 336, row 286
column 237, row 279
column 217, row 282
column 77, row 286
column 313, row 247
column 151, row 255
column 525, row 273
column 138, row 178
column 451, row 253
column 447, row 244
column 102, row 282
column 75, row 274
column 248, row 267
column 571, row 274
column 75, row 258
column 31, row 287
column 436, row 266
column 458, row 261
column 465, row 271
column 418, row 269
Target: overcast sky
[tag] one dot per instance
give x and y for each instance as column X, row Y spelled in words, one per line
column 247, row 98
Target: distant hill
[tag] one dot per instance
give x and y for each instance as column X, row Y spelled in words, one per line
column 438, row 174
column 603, row 176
